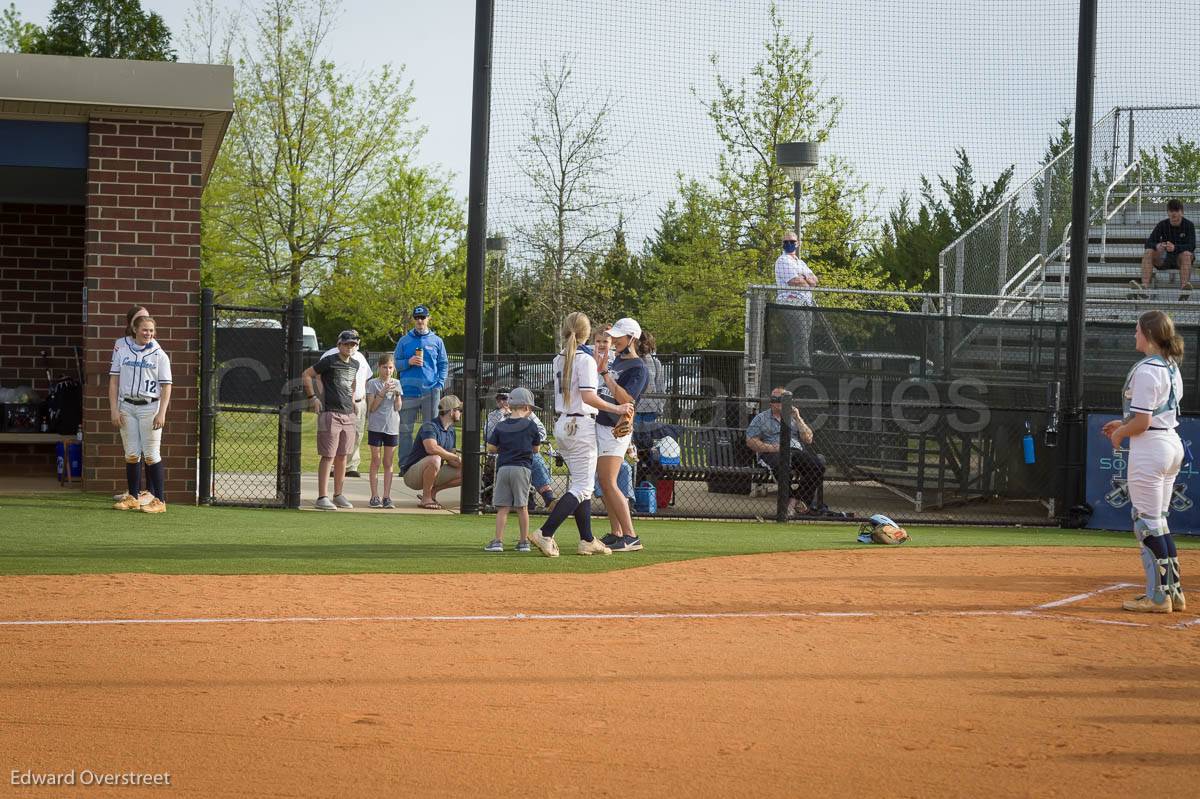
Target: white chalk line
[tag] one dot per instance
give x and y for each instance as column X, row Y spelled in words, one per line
column 1034, row 612
column 1058, row 603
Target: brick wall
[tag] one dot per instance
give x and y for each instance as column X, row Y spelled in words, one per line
column 41, row 308
column 143, row 248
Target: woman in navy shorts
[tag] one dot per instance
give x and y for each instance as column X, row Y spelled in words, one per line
column 383, row 426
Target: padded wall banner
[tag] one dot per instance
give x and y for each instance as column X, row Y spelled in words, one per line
column 1108, row 494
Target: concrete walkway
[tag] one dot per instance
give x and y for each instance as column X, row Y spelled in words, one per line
column 358, row 491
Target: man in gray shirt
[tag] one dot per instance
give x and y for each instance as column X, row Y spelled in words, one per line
column 806, row 469
column 329, row 386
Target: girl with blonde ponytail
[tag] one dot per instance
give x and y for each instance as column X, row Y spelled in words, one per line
column 576, row 404
column 1151, row 400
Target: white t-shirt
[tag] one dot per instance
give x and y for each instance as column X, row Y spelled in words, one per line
column 787, row 268
column 1150, row 389
column 142, row 370
column 584, row 375
column 361, row 377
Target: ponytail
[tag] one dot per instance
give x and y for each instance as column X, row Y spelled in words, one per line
column 576, row 328
column 1159, row 330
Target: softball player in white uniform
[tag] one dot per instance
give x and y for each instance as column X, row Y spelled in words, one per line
column 131, row 316
column 1151, row 399
column 576, row 403
column 139, row 391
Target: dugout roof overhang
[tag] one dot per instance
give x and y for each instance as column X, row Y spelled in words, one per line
column 64, row 93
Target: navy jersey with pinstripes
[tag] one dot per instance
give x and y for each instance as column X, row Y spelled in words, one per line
column 142, row 370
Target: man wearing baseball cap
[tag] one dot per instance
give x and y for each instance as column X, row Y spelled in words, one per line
column 360, row 398
column 329, row 387
column 433, row 464
column 423, row 365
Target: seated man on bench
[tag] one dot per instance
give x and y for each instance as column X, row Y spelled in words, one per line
column 1171, row 245
column 807, row 470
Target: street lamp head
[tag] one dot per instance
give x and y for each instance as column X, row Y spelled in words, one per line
column 797, row 158
column 497, row 244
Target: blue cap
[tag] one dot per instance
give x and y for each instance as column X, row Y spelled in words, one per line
column 420, row 310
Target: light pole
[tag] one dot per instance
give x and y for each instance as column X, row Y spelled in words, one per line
column 797, row 159
column 499, row 245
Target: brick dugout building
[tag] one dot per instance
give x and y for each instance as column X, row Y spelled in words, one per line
column 102, row 164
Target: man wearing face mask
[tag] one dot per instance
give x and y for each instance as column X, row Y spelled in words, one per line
column 795, row 280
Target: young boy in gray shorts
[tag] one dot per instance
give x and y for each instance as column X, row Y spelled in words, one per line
column 514, row 441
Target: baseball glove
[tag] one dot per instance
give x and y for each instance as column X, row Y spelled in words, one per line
column 881, row 530
column 623, row 427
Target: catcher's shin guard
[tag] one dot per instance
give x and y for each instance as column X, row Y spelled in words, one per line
column 1172, row 580
column 1155, row 561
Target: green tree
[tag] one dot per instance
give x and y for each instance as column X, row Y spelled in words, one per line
column 783, row 101
column 413, row 250
column 17, row 35
column 572, row 206
column 101, row 29
column 909, row 245
column 1173, row 170
column 307, row 150
column 696, row 299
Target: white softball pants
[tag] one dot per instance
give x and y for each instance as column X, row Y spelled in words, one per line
column 138, row 435
column 1155, row 458
column 575, row 440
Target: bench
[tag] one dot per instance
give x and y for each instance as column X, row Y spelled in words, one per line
column 714, row 455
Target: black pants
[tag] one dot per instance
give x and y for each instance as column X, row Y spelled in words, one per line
column 806, row 473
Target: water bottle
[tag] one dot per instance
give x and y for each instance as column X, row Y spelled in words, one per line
column 1028, row 441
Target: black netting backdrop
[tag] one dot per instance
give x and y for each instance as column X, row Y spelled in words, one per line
column 917, row 81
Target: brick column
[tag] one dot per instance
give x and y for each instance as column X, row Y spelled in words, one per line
column 143, row 248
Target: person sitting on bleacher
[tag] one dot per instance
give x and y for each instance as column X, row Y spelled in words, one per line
column 807, row 470
column 1171, row 245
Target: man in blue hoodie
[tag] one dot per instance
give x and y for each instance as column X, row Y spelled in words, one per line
column 423, row 365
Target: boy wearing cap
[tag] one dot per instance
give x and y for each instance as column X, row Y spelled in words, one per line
column 514, row 440
column 329, row 386
column 432, row 464
column 423, row 365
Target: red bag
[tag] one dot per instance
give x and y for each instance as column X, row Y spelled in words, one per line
column 665, row 490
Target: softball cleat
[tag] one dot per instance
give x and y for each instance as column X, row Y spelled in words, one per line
column 127, row 502
column 1145, row 604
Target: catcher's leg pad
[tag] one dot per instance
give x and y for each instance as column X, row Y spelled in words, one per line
column 1155, row 560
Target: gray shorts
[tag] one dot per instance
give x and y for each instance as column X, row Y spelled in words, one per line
column 511, row 489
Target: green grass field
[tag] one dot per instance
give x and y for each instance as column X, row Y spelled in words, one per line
column 82, row 534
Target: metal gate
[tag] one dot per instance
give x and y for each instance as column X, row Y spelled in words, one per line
column 251, row 404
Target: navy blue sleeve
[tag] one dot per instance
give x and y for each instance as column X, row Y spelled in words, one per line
column 535, row 437
column 634, row 381
column 1156, row 235
column 1189, row 237
column 427, row 431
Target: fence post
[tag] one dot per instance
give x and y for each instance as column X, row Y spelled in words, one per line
column 295, row 403
column 1002, row 271
column 204, row 489
column 785, row 457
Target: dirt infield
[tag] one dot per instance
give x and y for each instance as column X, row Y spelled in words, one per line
column 747, row 679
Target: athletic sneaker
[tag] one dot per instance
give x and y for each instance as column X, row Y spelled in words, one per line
column 375, row 503
column 495, row 545
column 1145, row 604
column 546, row 544
column 127, row 502
column 155, row 505
column 352, row 473
column 1138, row 291
column 628, row 543
column 341, row 501
column 387, row 503
column 593, row 547
column 144, row 498
column 324, row 503
column 610, row 539
column 523, row 546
